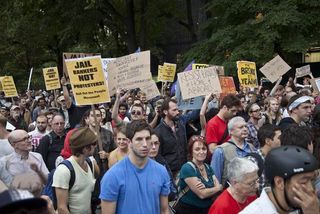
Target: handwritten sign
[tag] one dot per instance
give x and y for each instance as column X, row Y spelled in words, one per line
column 219, row 69
column 275, row 68
column 129, row 71
column 315, row 84
column 247, row 74
column 66, row 56
column 199, row 82
column 105, row 62
column 51, row 78
column 87, row 80
column 303, row 71
column 150, row 88
column 167, row 72
column 187, row 104
column 8, row 86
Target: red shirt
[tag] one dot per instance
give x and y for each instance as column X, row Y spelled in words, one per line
column 225, row 204
column 215, row 130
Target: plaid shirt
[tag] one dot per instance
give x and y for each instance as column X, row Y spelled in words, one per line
column 253, row 135
column 262, row 179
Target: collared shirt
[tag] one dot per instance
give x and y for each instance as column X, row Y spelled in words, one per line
column 16, row 165
column 262, row 179
column 253, row 135
column 262, row 205
column 217, row 162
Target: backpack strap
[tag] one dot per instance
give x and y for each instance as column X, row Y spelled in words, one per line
column 88, row 160
column 68, row 164
column 224, row 136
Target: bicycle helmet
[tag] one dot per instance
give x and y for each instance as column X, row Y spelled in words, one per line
column 287, row 161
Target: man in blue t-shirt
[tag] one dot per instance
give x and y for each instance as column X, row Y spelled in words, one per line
column 136, row 184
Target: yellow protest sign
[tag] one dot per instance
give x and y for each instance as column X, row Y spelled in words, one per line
column 8, row 86
column 199, row 66
column 167, row 72
column 160, row 74
column 87, row 80
column 247, row 74
column 51, row 78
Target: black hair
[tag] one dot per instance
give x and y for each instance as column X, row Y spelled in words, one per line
column 297, row 135
column 136, row 126
column 267, row 131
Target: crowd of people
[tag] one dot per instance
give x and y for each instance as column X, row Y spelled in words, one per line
column 256, row 151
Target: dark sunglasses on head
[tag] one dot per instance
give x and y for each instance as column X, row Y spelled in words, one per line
column 136, row 113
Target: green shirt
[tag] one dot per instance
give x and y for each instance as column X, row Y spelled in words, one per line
column 190, row 198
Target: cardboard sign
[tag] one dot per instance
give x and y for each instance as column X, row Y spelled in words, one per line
column 151, row 89
column 188, row 104
column 275, row 68
column 66, row 56
column 129, row 71
column 87, row 80
column 199, row 82
column 51, row 78
column 227, row 86
column 105, row 62
column 220, row 69
column 247, row 74
column 315, row 84
column 303, row 71
column 8, row 86
column 167, row 72
column 160, row 73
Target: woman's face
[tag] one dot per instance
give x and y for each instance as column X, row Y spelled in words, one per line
column 122, row 141
column 249, row 184
column 199, row 151
column 155, row 144
column 103, row 113
column 274, row 106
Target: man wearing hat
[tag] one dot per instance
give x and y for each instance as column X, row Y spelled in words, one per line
column 299, row 109
column 77, row 199
column 16, row 119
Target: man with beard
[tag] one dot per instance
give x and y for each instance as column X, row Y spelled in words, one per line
column 39, row 132
column 16, row 119
column 172, row 134
column 235, row 147
column 254, row 111
column 299, row 109
column 291, row 171
column 136, row 184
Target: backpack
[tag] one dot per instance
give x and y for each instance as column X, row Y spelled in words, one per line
column 49, row 190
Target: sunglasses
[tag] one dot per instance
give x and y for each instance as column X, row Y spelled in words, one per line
column 136, row 113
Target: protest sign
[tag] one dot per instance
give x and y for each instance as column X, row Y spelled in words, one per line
column 219, row 69
column 8, row 86
column 247, row 74
column 150, row 88
column 129, row 71
column 303, row 71
column 275, row 68
column 167, row 72
column 66, row 56
column 187, row 104
column 315, row 84
column 51, row 78
column 87, row 80
column 160, row 73
column 227, row 86
column 105, row 62
column 199, row 82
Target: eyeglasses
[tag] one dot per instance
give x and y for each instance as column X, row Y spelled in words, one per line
column 25, row 139
column 252, row 184
column 136, row 113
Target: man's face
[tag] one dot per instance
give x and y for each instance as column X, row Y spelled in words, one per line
column 57, row 124
column 42, row 123
column 143, row 98
column 255, row 112
column 15, row 113
column 90, row 120
column 266, row 93
column 231, row 112
column 275, row 141
column 141, row 144
column 130, row 101
column 303, row 111
column 49, row 117
column 299, row 181
column 22, row 142
column 173, row 112
column 243, row 103
column 239, row 130
column 274, row 106
column 252, row 98
column 136, row 113
column 23, row 103
column 4, row 112
column 42, row 103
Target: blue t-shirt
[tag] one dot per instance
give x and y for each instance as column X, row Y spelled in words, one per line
column 135, row 190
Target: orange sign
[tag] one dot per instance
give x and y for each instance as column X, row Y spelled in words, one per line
column 227, row 86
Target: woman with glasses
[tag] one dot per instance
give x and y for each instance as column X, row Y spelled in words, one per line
column 243, row 182
column 197, row 182
column 122, row 150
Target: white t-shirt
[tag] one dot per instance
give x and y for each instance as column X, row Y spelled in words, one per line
column 80, row 194
column 5, row 148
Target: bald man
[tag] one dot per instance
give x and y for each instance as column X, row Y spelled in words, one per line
column 22, row 160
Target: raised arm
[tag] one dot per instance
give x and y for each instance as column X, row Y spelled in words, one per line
column 115, row 110
column 66, row 92
column 203, row 121
column 274, row 89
